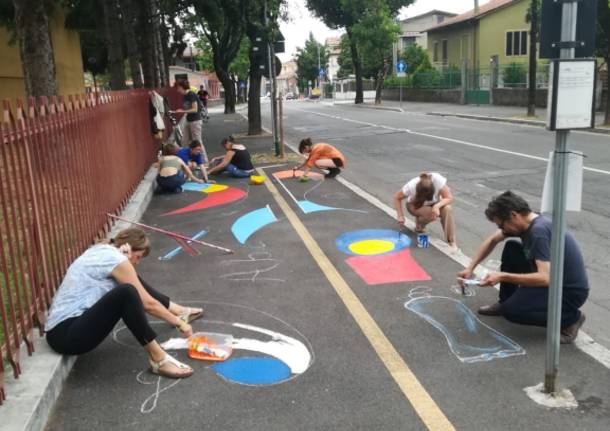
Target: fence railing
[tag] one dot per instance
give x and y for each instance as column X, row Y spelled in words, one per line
column 64, row 163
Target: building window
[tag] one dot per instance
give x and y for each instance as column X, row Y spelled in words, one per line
column 516, row 43
column 435, row 53
column 408, row 41
column 445, row 51
column 439, row 19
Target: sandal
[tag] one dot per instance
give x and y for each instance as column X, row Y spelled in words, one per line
column 191, row 314
column 157, row 368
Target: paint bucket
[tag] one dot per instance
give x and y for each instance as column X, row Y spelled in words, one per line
column 257, row 179
column 422, row 240
column 210, row 346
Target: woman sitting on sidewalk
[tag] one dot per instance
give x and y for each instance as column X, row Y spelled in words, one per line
column 428, row 198
column 173, row 172
column 100, row 288
column 236, row 160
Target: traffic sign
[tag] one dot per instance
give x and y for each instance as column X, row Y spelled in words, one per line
column 401, row 66
column 242, row 84
column 322, row 72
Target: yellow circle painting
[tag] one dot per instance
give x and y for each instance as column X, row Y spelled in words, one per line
column 370, row 247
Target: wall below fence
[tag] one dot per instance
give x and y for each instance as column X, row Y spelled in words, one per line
column 517, row 97
column 422, row 95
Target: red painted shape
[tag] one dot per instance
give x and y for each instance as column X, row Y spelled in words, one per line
column 388, row 268
column 282, row 175
column 212, row 200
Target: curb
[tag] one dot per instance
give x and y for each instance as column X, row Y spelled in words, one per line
column 31, row 398
column 536, row 123
column 365, row 106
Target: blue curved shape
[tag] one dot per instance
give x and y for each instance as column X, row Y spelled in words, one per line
column 253, row 370
column 310, row 207
column 400, row 240
column 251, row 222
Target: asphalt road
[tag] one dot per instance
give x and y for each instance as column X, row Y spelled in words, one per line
column 481, row 159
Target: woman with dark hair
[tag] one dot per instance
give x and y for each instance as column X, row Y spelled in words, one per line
column 173, row 172
column 428, row 199
column 322, row 156
column 102, row 287
column 236, row 161
column 193, row 108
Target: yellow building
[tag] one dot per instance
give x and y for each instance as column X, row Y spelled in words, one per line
column 496, row 30
column 66, row 52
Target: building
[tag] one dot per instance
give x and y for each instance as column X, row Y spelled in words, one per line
column 333, row 44
column 287, row 79
column 66, row 54
column 413, row 30
column 496, row 31
column 207, row 79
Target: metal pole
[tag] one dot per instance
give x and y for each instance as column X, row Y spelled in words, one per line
column 271, row 69
column 281, row 123
column 568, row 33
column 400, row 86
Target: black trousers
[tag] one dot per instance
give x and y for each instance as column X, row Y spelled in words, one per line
column 78, row 335
column 529, row 305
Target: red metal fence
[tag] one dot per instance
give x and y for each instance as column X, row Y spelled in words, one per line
column 64, row 163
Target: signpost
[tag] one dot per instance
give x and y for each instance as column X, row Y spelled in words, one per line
column 565, row 112
column 401, row 72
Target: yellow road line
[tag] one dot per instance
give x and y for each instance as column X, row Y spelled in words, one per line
column 429, row 412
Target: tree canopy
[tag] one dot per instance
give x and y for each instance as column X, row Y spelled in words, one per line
column 307, row 61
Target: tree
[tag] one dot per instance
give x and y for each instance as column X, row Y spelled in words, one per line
column 35, row 48
column 603, row 47
column 375, row 34
column 114, row 43
column 344, row 60
column 307, row 61
column 533, row 17
column 223, row 24
column 347, row 13
column 416, row 58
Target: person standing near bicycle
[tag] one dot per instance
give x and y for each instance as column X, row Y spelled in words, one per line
column 193, row 108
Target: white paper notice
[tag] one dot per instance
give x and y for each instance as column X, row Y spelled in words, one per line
column 575, row 92
column 573, row 186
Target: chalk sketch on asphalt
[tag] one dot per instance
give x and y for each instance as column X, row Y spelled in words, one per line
column 267, row 350
column 469, row 339
column 261, row 262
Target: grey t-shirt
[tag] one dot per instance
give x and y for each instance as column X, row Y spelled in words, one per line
column 86, row 281
column 537, row 246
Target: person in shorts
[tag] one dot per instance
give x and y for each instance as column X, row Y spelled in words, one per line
column 322, row 156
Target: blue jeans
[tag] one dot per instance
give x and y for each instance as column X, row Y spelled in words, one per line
column 238, row 173
column 171, row 184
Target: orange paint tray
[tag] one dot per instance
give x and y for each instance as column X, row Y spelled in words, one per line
column 210, row 346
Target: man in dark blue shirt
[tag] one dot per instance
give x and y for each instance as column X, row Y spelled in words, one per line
column 524, row 276
column 193, row 157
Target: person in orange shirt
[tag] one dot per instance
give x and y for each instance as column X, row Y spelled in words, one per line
column 321, row 155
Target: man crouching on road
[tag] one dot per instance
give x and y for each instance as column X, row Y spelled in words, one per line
column 524, row 276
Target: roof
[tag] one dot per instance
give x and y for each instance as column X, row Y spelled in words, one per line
column 432, row 12
column 487, row 8
column 331, row 41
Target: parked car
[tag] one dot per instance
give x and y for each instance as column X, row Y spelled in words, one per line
column 290, row 95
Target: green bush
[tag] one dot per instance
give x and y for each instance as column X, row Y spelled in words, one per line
column 514, row 75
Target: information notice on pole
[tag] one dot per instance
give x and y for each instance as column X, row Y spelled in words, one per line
column 571, row 95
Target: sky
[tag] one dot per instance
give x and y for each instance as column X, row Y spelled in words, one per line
column 296, row 31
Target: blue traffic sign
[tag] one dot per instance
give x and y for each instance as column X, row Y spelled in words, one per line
column 321, row 71
column 401, row 66
column 242, row 84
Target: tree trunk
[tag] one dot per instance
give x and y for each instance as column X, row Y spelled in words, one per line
column 131, row 42
column 607, row 116
column 227, row 83
column 254, row 100
column 145, row 42
column 531, row 93
column 114, row 44
column 357, row 68
column 32, row 26
column 164, row 35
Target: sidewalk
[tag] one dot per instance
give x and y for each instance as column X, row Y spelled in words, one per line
column 358, row 357
column 508, row 114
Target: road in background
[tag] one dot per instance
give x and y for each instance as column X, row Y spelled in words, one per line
column 480, row 158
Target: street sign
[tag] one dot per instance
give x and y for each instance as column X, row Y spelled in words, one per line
column 278, row 44
column 401, row 66
column 550, row 29
column 242, row 84
column 278, row 67
column 322, row 72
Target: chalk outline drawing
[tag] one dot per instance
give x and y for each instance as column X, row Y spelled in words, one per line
column 268, row 257
column 307, row 206
column 176, row 251
column 173, row 382
column 422, row 293
column 251, row 222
